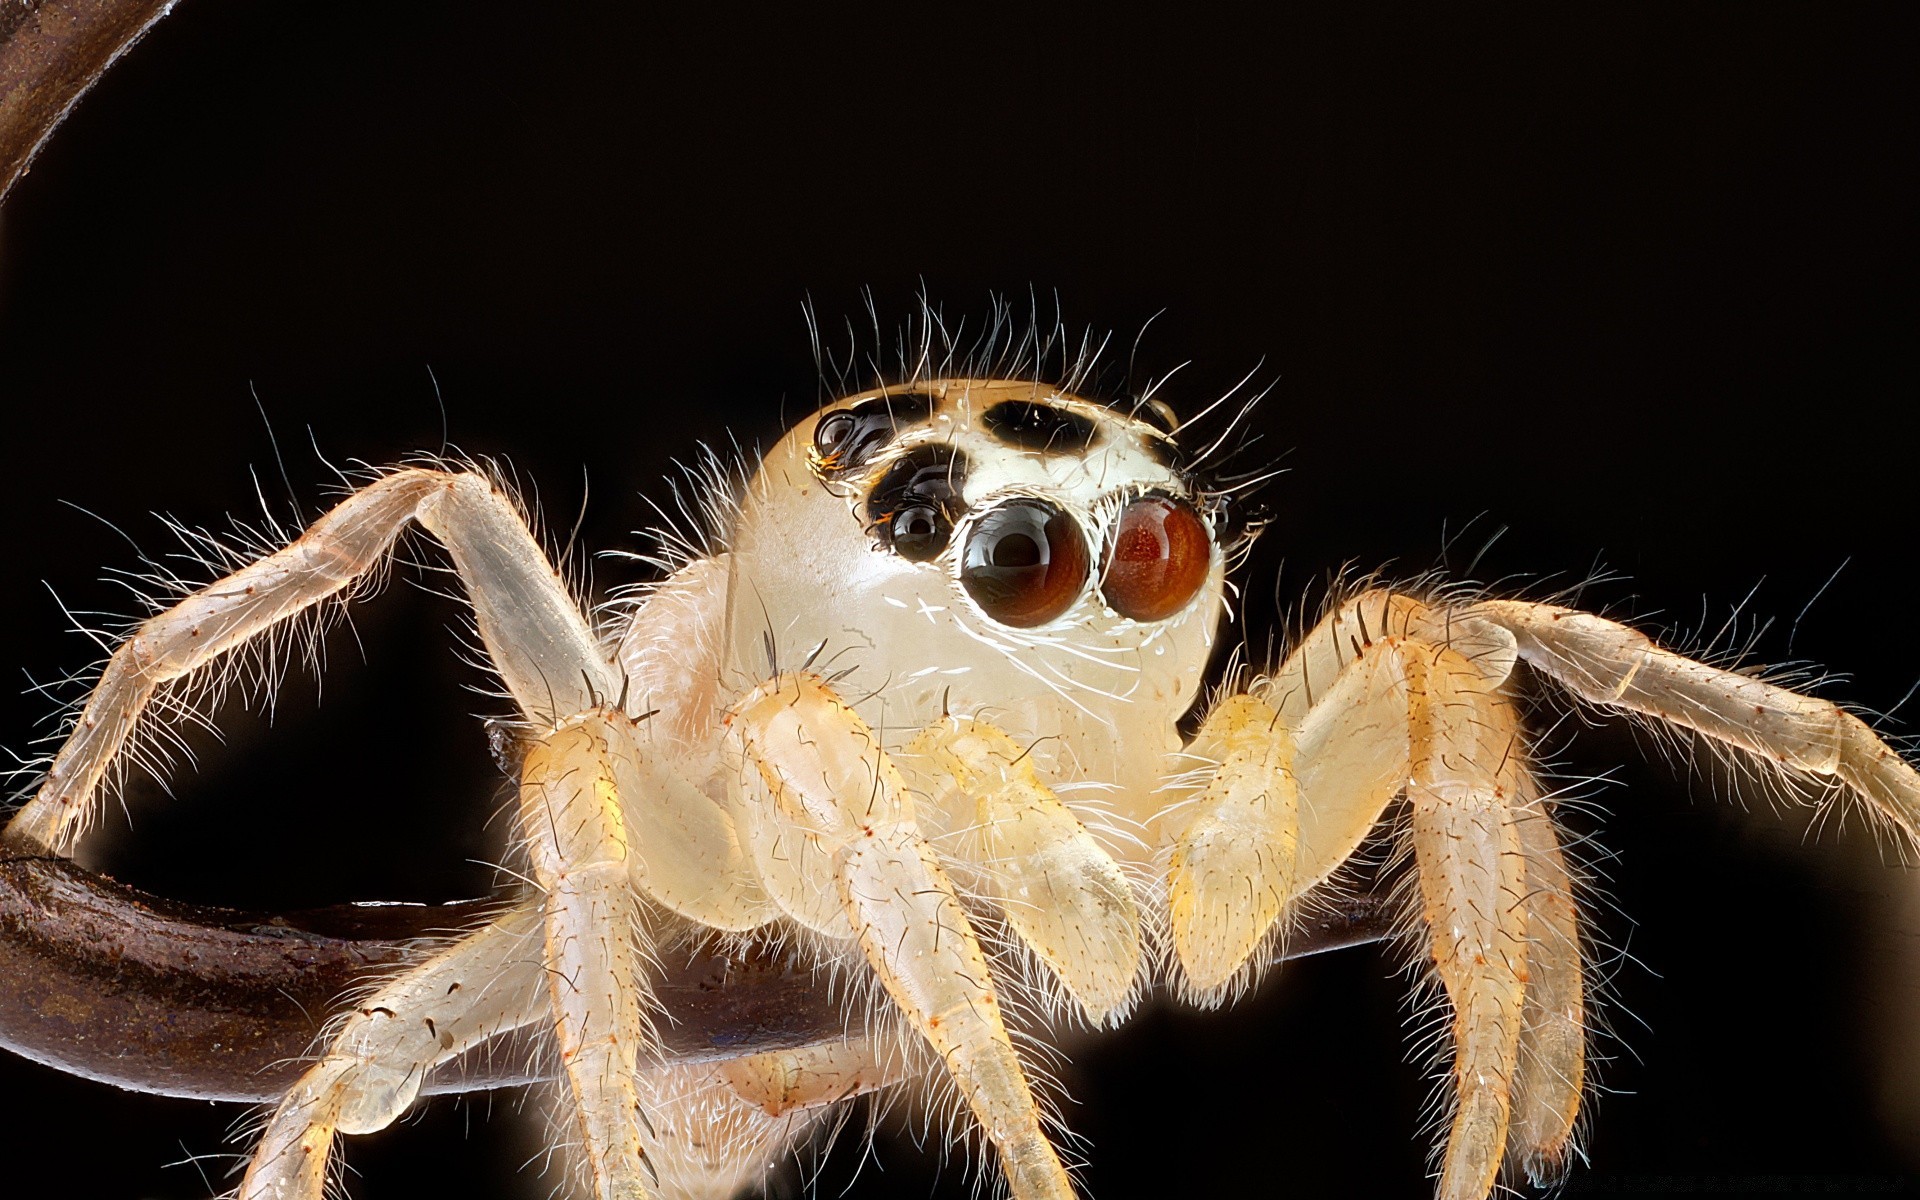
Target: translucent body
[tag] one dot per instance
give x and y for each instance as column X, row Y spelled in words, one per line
column 820, row 734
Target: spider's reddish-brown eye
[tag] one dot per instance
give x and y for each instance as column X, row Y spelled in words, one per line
column 1159, row 557
column 1026, row 563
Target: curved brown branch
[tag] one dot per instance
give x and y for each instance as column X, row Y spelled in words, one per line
column 51, row 52
column 103, row 981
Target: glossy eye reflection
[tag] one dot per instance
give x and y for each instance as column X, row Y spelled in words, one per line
column 1026, row 563
column 920, row 532
column 1159, row 557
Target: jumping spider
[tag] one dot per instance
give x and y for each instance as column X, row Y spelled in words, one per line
column 918, row 713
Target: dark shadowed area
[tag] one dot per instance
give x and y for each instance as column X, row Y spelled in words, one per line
column 1634, row 284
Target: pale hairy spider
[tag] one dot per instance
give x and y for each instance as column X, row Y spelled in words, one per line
column 915, row 709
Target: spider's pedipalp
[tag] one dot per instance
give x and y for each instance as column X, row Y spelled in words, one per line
column 821, row 767
column 1063, row 894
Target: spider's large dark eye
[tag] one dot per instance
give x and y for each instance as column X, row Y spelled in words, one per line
column 1159, row 557
column 1026, row 563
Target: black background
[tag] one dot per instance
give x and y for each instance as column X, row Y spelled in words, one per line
column 1634, row 283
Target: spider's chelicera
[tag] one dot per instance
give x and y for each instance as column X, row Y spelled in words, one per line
column 916, row 713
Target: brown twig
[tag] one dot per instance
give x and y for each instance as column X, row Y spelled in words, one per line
column 106, row 982
column 51, row 52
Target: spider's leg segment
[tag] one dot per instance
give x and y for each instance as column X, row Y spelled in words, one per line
column 571, row 812
column 1611, row 665
column 784, row 1081
column 1063, row 893
column 1553, row 1035
column 718, row 1128
column 1388, row 697
column 1465, row 774
column 486, row 983
column 823, row 769
column 534, row 633
column 548, row 658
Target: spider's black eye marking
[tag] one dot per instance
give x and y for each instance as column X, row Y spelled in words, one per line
column 1040, row 427
column 912, row 509
column 1157, row 413
column 849, row 439
column 1167, row 453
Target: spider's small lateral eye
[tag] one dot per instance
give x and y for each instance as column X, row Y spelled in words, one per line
column 1158, row 558
column 1026, row 563
column 920, row 532
column 851, row 437
column 912, row 509
column 834, row 432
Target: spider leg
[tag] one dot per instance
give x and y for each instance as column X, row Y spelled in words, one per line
column 1465, row 773
column 718, row 1129
column 596, row 945
column 821, row 766
column 1304, row 763
column 1060, row 890
column 486, row 983
column 538, row 640
column 784, row 1081
column 550, row 662
column 1551, row 1066
column 1611, row 665
column 1385, row 697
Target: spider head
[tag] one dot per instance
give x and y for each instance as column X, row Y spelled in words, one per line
column 961, row 545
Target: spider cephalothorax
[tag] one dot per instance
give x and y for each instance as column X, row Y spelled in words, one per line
column 971, row 546
column 919, row 714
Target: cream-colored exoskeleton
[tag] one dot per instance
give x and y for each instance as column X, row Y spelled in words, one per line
column 918, row 711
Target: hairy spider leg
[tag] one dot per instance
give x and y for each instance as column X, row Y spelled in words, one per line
column 784, row 1081
column 1387, row 697
column 718, row 1129
column 535, row 635
column 486, row 983
column 550, row 662
column 1551, row 1066
column 1616, row 667
column 823, row 771
column 596, row 943
column 1465, row 767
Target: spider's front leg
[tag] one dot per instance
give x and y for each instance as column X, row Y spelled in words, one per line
column 839, row 796
column 606, row 819
column 535, row 634
column 1387, row 697
column 550, row 662
column 572, row 814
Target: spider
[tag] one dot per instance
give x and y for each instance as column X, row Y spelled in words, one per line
column 916, row 713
